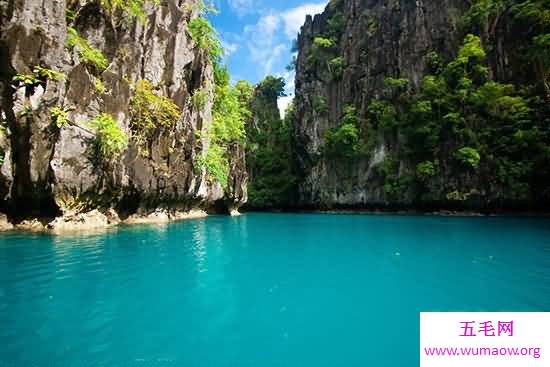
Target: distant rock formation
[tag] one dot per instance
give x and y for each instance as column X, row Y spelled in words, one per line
column 346, row 55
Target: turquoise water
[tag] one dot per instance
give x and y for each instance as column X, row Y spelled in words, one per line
column 261, row 290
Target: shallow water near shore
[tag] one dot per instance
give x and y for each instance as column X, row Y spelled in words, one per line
column 261, row 289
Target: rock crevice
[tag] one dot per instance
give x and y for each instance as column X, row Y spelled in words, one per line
column 50, row 170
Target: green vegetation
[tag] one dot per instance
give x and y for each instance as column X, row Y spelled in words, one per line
column 206, row 37
column 272, row 87
column 323, row 43
column 111, row 140
column 383, row 114
column 336, row 25
column 99, row 86
column 59, row 116
column 229, row 112
column 320, row 105
column 200, row 97
column 344, row 141
column 268, row 148
column 40, row 74
column 26, row 112
column 45, row 73
column 324, row 51
column 434, row 62
column 26, row 79
column 395, row 184
column 397, row 83
column 200, row 7
column 150, row 111
column 324, row 48
column 489, row 134
column 336, row 67
column 425, row 170
column 244, row 91
column 89, row 54
column 216, row 163
column 531, row 16
column 70, row 15
column 372, row 26
column 228, row 127
column 321, row 49
column 133, row 8
column 468, row 156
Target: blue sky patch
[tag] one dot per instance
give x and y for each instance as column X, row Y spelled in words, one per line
column 257, row 35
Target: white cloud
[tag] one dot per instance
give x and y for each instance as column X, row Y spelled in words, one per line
column 274, row 56
column 283, row 103
column 267, row 40
column 266, row 26
column 262, row 43
column 229, row 48
column 288, row 76
column 242, row 7
column 293, row 19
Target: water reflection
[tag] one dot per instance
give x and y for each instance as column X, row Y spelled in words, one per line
column 199, row 246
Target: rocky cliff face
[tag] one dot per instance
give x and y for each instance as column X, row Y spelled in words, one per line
column 49, row 170
column 268, row 149
column 345, row 56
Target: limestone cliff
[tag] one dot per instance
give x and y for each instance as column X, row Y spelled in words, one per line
column 346, row 55
column 268, row 149
column 50, row 169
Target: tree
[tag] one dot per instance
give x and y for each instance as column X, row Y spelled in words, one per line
column 272, row 87
column 228, row 127
column 343, row 141
column 468, row 156
column 206, row 37
column 268, row 148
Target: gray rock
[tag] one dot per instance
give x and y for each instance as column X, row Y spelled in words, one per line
column 83, row 222
column 48, row 171
column 378, row 39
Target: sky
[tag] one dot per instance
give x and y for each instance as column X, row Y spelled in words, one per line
column 257, row 36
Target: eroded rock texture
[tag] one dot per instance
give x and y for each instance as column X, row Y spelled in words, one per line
column 374, row 40
column 47, row 171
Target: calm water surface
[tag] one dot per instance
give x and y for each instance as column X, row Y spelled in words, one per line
column 261, row 290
